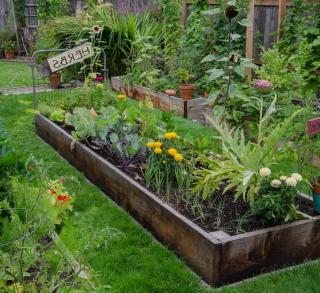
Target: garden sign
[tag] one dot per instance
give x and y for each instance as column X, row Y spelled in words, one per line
column 314, row 126
column 75, row 55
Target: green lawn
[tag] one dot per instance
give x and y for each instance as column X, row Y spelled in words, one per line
column 130, row 259
column 15, row 74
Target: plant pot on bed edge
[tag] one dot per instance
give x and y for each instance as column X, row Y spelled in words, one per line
column 55, row 80
column 186, row 91
column 315, row 183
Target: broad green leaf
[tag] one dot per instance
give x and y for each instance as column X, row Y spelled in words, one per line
column 245, row 22
column 211, row 12
column 209, row 58
column 215, row 73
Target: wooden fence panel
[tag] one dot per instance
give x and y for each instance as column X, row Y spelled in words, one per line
column 265, row 27
column 133, row 6
column 6, row 16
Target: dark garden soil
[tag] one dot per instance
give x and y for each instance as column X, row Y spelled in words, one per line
column 221, row 213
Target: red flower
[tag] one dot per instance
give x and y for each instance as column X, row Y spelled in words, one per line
column 63, row 198
column 52, row 190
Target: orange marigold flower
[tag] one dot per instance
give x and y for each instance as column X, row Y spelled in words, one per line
column 157, row 144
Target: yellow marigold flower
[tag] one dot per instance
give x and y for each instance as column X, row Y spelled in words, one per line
column 172, row 152
column 122, row 97
column 157, row 144
column 178, row 157
column 170, row 135
column 150, row 144
column 173, row 135
column 158, row 151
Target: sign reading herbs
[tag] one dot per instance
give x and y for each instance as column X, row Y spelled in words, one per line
column 75, row 55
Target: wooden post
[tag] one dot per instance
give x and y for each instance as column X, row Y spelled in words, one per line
column 184, row 13
column 249, row 35
column 15, row 26
column 281, row 15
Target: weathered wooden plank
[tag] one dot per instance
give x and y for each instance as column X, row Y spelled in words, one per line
column 199, row 249
column 161, row 100
column 281, row 15
column 245, row 255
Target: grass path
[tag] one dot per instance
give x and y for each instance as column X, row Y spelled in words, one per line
column 15, row 74
column 126, row 257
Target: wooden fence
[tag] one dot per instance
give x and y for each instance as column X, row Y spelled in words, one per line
column 6, row 16
column 266, row 17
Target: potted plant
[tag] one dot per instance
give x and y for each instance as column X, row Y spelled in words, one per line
column 55, row 80
column 8, row 48
column 315, row 184
column 186, row 87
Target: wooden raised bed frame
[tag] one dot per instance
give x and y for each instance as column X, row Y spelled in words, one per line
column 217, row 257
column 192, row 109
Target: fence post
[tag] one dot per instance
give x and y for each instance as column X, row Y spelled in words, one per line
column 281, row 15
column 249, row 34
column 184, row 13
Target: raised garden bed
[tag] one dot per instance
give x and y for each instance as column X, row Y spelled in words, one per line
column 192, row 109
column 217, row 257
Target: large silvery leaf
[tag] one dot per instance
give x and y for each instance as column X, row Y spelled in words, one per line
column 212, row 12
column 209, row 58
column 215, row 73
column 245, row 22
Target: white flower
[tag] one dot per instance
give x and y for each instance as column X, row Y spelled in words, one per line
column 291, row 182
column 283, row 178
column 265, row 172
column 297, row 176
column 275, row 183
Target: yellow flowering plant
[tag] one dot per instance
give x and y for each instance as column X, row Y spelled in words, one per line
column 166, row 165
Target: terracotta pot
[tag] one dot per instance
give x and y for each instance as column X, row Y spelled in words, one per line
column 9, row 54
column 186, row 91
column 55, row 80
column 315, row 187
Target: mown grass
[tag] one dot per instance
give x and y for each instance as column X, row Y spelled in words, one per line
column 15, row 74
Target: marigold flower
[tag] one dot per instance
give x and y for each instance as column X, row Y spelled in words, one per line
column 172, row 152
column 170, row 135
column 275, row 183
column 291, row 182
column 151, row 144
column 52, row 191
column 265, row 172
column 158, row 151
column 122, row 97
column 297, row 176
column 178, row 157
column 157, row 144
